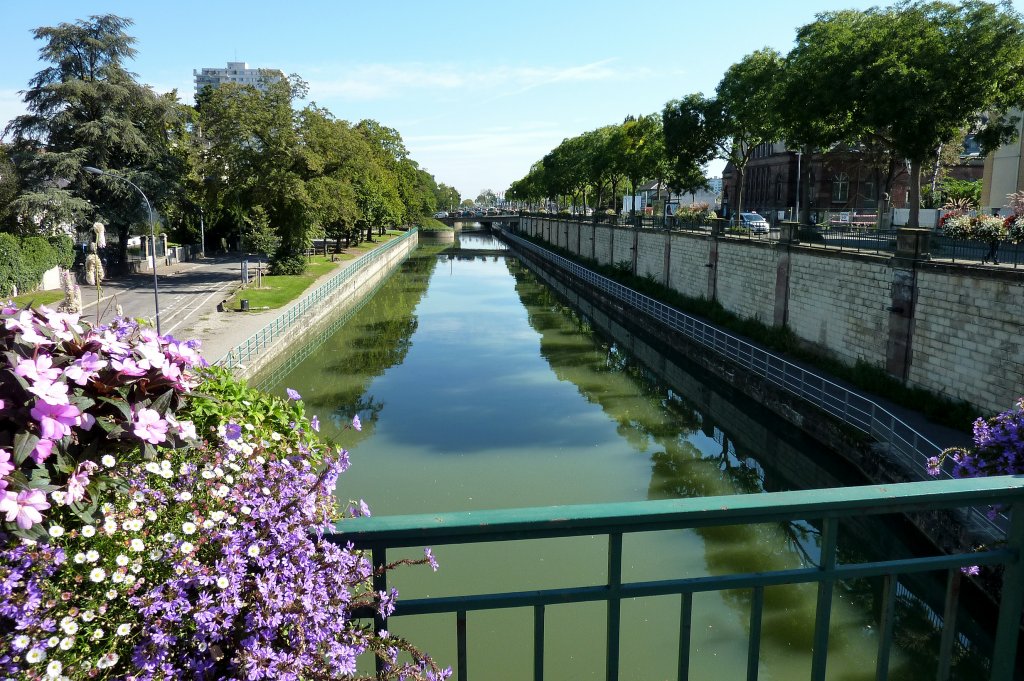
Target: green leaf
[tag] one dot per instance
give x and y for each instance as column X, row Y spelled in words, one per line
column 24, row 443
column 162, row 402
column 120, row 405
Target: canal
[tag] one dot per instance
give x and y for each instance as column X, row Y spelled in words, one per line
column 479, row 388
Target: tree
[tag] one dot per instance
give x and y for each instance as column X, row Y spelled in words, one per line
column 911, row 76
column 688, row 142
column 638, row 146
column 85, row 109
column 744, row 112
column 486, row 197
column 447, row 198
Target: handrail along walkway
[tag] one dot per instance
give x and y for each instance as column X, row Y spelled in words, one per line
column 265, row 337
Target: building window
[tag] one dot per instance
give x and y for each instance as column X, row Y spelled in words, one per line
column 840, row 188
column 778, row 189
column 870, row 196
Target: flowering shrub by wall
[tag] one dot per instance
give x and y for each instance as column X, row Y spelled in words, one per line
column 160, row 520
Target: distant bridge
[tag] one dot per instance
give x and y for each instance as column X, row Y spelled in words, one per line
column 485, row 220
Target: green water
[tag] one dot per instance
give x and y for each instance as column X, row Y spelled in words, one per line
column 478, row 388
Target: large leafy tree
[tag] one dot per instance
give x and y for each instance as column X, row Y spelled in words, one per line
column 639, row 149
column 908, row 78
column 689, row 144
column 86, row 109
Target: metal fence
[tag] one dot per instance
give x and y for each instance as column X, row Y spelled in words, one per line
column 825, row 508
column 265, row 337
column 909, row 447
column 1005, row 252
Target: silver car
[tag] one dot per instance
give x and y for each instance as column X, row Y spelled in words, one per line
column 754, row 222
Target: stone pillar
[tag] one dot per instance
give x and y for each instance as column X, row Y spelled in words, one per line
column 717, row 230
column 912, row 248
column 635, row 250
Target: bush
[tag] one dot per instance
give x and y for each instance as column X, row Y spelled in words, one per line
column 159, row 519
column 10, row 263
column 287, row 263
column 64, row 249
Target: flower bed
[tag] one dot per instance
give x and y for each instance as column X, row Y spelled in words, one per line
column 159, row 519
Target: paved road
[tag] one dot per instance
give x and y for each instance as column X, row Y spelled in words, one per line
column 185, row 291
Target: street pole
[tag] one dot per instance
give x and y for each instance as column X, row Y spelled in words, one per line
column 152, row 235
column 797, row 216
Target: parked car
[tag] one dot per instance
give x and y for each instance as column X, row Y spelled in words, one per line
column 440, row 215
column 754, row 222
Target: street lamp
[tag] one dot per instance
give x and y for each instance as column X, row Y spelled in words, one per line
column 152, row 235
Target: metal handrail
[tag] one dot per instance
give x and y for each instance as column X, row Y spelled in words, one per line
column 265, row 337
column 378, row 534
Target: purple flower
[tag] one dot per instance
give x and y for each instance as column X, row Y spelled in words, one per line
column 24, row 507
column 37, row 369
column 232, row 431
column 356, row 422
column 314, row 423
column 127, row 366
column 430, row 558
column 84, row 368
column 293, row 394
column 55, row 419
column 79, row 481
column 934, row 465
column 149, row 426
column 970, row 570
column 5, row 463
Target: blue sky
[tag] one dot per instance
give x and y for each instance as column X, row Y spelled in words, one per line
column 478, row 90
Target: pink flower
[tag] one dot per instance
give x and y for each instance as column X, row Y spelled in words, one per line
column 79, row 481
column 25, row 323
column 24, row 507
column 55, row 420
column 128, row 366
column 149, row 426
column 5, row 463
column 54, row 393
column 40, row 368
column 84, row 368
column 42, row 450
column 355, row 422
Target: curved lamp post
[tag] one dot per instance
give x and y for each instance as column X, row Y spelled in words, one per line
column 152, row 234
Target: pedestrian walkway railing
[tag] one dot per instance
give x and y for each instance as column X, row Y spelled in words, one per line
column 260, row 341
column 824, row 508
column 907, row 446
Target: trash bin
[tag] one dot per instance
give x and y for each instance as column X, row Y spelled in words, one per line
column 245, row 304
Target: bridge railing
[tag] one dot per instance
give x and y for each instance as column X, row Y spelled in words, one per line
column 825, row 508
column 285, row 323
column 907, row 446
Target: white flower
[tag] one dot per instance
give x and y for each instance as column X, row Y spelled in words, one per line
column 54, row 669
column 166, row 473
column 168, row 537
column 208, row 524
column 121, row 560
column 67, row 643
column 219, row 472
column 108, row 461
column 56, row 530
column 21, row 642
column 132, row 505
column 156, row 554
column 79, row 558
column 207, row 474
column 35, row 656
column 185, row 496
column 223, row 582
column 70, row 627
column 232, row 520
column 52, row 641
column 110, row 526
column 137, row 544
column 275, row 436
column 88, row 531
column 139, row 497
column 92, row 555
column 97, row 633
column 165, row 464
column 88, row 616
column 58, row 496
column 188, row 527
column 111, row 594
column 129, row 579
column 246, row 510
column 186, row 547
column 221, row 491
column 150, row 515
column 217, row 516
column 108, row 660
column 253, row 551
column 124, row 630
column 98, row 575
column 117, row 577
column 260, row 460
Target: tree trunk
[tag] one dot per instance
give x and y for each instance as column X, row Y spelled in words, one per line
column 935, row 175
column 915, row 195
column 741, row 171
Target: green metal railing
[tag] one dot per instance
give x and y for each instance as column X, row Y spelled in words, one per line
column 265, row 337
column 827, row 507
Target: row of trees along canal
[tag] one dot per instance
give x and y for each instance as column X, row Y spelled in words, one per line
column 894, row 83
column 244, row 162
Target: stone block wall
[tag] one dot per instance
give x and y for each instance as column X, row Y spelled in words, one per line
column 968, row 339
column 688, row 265
column 841, row 303
column 602, row 251
column 650, row 254
column 745, row 282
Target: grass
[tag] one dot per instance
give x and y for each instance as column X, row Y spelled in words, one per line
column 38, row 298
column 278, row 291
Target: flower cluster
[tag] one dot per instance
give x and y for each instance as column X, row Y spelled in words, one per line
column 172, row 529
column 979, row 227
column 998, row 447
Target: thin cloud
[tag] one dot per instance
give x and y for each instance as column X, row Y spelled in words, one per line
column 385, row 81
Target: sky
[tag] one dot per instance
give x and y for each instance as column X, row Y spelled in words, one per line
column 479, row 91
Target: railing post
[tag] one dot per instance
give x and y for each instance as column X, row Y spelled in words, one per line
column 379, row 557
column 1004, row 652
column 823, row 612
column 614, row 605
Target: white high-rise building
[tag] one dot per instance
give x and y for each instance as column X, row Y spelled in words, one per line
column 236, row 72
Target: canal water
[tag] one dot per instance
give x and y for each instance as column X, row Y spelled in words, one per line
column 479, row 388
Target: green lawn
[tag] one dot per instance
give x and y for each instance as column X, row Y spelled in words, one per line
column 39, row 298
column 278, row 291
